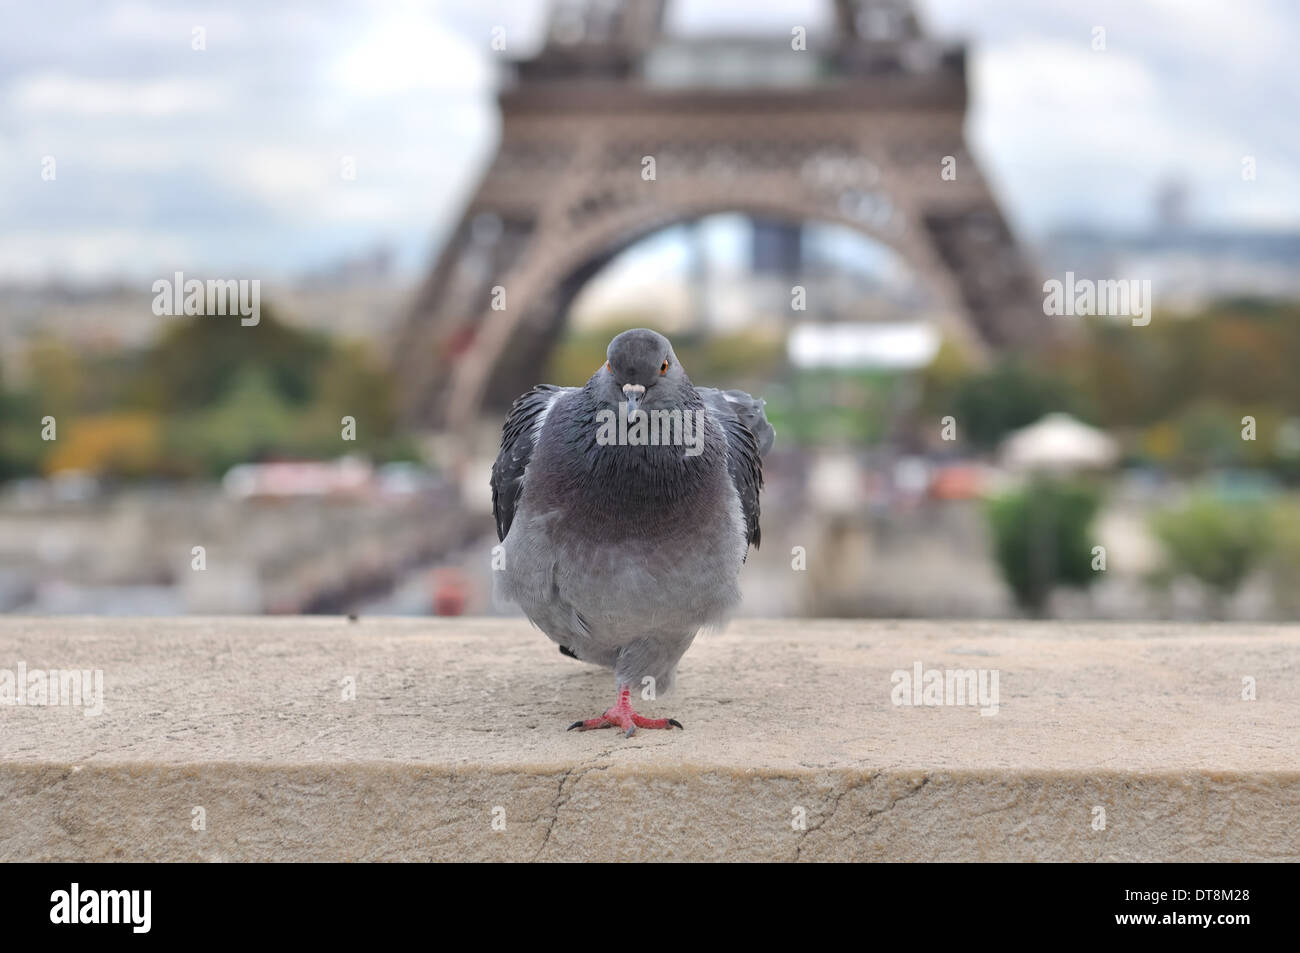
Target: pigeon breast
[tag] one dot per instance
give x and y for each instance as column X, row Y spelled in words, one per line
column 610, row 544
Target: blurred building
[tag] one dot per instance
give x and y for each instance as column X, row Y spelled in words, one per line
column 1188, row 267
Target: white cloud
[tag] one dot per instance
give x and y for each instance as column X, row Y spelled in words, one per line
column 281, row 176
column 243, row 140
column 52, row 94
column 1074, row 134
column 409, row 51
column 92, row 254
column 159, row 26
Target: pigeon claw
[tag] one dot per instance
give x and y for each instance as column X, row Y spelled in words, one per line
column 622, row 716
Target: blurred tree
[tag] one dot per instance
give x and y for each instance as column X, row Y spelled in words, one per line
column 114, row 445
column 350, row 382
column 209, row 393
column 55, row 373
column 198, row 360
column 252, row 422
column 1215, row 542
column 991, row 404
column 1233, row 354
column 1284, row 562
column 833, row 407
column 942, row 379
column 21, row 446
column 1041, row 538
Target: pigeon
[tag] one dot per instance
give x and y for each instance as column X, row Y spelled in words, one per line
column 625, row 509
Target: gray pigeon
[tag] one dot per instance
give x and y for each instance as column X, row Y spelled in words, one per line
column 626, row 508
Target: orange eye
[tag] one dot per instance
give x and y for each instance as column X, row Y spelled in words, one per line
column 608, row 368
column 663, row 368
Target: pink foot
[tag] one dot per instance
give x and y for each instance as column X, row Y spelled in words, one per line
column 627, row 720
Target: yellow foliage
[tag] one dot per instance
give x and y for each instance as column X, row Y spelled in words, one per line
column 1161, row 442
column 126, row 444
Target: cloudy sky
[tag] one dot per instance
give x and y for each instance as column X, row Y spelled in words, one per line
column 228, row 159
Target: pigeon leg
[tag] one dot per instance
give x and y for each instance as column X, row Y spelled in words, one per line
column 622, row 716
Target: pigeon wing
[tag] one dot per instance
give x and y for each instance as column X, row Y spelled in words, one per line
column 519, row 436
column 749, row 436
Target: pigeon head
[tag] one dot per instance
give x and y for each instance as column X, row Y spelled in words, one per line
column 641, row 369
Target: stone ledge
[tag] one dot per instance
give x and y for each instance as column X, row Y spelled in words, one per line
column 245, row 718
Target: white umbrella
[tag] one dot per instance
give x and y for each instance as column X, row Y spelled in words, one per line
column 1059, row 443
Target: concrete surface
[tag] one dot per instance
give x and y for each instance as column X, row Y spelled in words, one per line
column 241, row 724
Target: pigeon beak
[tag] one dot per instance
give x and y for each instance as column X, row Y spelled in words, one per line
column 633, row 393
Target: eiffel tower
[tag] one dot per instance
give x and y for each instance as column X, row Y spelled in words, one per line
column 857, row 130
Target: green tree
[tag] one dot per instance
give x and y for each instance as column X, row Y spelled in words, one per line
column 1009, row 396
column 1216, row 542
column 21, row 447
column 252, row 422
column 1042, row 539
column 198, row 360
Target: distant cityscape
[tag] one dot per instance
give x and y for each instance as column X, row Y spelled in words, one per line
column 365, row 298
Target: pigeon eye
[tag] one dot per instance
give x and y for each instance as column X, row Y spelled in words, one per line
column 608, row 368
column 663, row 368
